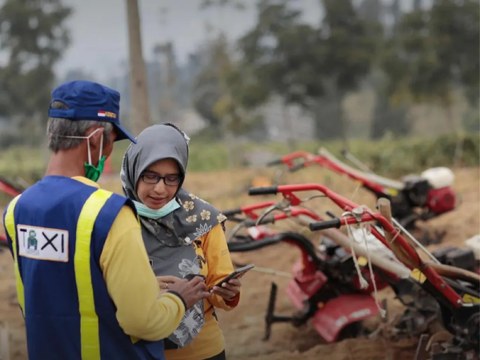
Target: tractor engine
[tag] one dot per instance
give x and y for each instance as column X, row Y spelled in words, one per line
column 431, row 190
column 440, row 197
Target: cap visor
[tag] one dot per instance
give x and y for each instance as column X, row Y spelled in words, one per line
column 123, row 134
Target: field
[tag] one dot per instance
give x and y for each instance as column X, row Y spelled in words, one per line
column 244, row 327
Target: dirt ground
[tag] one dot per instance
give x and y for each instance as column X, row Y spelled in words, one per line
column 244, row 327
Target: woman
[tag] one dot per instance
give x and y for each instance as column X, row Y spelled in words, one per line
column 183, row 235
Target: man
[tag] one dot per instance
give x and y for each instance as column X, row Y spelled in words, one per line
column 84, row 282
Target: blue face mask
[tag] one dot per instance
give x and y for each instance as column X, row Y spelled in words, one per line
column 145, row 211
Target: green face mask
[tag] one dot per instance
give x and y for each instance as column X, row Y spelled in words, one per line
column 93, row 173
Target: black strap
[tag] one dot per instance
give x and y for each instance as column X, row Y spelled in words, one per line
column 169, row 344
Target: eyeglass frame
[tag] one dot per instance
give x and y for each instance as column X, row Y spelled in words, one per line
column 160, row 177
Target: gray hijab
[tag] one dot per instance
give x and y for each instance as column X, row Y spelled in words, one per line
column 171, row 240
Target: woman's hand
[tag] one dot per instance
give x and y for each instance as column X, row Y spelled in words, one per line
column 164, row 281
column 229, row 290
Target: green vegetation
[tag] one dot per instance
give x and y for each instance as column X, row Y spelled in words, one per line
column 422, row 56
column 391, row 157
column 33, row 38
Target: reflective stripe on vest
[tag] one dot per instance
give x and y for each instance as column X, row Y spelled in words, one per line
column 89, row 329
column 10, row 225
column 89, row 332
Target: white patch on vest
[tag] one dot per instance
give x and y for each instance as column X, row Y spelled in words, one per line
column 42, row 243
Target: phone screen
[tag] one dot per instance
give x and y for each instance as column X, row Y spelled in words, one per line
column 234, row 275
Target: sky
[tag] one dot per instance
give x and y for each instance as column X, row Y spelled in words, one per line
column 100, row 34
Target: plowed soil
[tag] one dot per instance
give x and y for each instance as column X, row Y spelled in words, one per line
column 244, row 326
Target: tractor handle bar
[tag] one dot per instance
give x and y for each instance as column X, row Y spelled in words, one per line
column 411, row 258
column 265, row 190
column 323, row 225
column 346, row 205
column 337, row 222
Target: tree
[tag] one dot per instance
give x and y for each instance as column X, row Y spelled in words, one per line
column 307, row 66
column 284, row 55
column 34, row 37
column 371, row 10
column 388, row 70
column 347, row 54
column 440, row 48
column 225, row 91
column 138, row 73
column 417, row 5
column 244, row 93
column 207, row 87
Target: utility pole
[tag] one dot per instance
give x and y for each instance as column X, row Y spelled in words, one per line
column 140, row 113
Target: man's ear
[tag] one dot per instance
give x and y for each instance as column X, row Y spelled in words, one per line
column 96, row 137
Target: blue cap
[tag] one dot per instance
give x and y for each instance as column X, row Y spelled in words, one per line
column 88, row 100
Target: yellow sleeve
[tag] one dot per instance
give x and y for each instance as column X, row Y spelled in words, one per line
column 131, row 283
column 219, row 263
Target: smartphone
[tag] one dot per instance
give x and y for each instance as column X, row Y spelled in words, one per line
column 237, row 273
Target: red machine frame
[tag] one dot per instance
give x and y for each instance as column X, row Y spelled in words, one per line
column 348, row 205
column 323, row 161
column 407, row 205
column 330, row 317
column 460, row 315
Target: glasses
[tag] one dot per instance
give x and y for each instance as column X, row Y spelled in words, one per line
column 169, row 180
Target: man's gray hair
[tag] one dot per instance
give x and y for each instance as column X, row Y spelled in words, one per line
column 58, row 128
